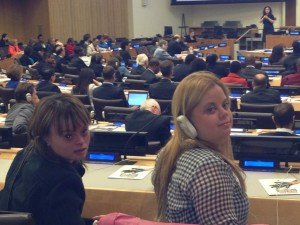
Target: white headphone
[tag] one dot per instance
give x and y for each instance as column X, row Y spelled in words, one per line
column 187, row 127
column 28, row 97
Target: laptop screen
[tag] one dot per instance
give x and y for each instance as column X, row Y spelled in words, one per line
column 136, row 98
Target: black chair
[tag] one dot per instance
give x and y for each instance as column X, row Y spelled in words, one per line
column 5, row 137
column 99, row 105
column 264, row 108
column 42, row 94
column 85, row 99
column 15, row 218
column 134, row 76
column 70, row 70
column 259, row 120
column 6, row 95
column 233, row 105
column 71, row 79
column 112, row 113
column 165, row 106
column 136, row 84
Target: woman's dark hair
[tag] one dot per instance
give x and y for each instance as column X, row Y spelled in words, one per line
column 198, row 65
column 264, row 13
column 96, row 59
column 86, row 77
column 277, row 54
column 114, row 62
column 70, row 40
column 211, row 60
column 14, row 72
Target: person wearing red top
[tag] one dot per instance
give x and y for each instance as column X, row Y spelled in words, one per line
column 233, row 77
column 292, row 79
column 70, row 47
column 13, row 48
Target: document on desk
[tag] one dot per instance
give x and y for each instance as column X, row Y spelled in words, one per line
column 275, row 187
column 132, row 172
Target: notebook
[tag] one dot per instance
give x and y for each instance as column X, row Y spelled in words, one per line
column 136, row 98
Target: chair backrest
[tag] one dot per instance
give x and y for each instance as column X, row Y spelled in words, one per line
column 71, row 78
column 99, row 105
column 6, row 94
column 85, row 99
column 15, row 218
column 264, row 108
column 134, row 76
column 5, row 137
column 42, row 94
column 165, row 106
column 136, row 84
column 113, row 113
column 71, row 70
column 260, row 120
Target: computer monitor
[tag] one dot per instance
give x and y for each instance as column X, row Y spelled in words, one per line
column 265, row 60
column 136, row 98
column 5, row 137
column 272, row 73
column 295, row 32
column 211, row 46
column 202, row 47
column 241, row 58
column 120, row 142
column 136, row 45
column 224, row 57
column 222, row 45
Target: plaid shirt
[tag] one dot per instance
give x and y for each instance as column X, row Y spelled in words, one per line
column 204, row 190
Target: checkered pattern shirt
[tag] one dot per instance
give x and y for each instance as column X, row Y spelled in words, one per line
column 204, row 190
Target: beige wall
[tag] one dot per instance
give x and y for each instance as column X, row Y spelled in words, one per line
column 73, row 18
column 149, row 20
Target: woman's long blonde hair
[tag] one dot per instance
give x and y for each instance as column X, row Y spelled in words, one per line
column 188, row 94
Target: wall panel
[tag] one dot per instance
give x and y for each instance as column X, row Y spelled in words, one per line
column 73, row 18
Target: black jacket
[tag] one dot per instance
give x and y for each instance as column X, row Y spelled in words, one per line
column 164, row 89
column 158, row 127
column 262, row 96
column 47, row 86
column 149, row 77
column 51, row 189
column 77, row 62
column 181, row 71
column 138, row 70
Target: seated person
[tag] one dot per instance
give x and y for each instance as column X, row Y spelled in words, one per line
column 261, row 94
column 47, row 79
column 183, row 69
column 13, row 47
column 198, row 65
column 191, row 38
column 284, row 118
column 161, row 51
column 26, row 59
column 124, row 53
column 76, row 61
column 277, row 55
column 175, row 46
column 234, row 75
column 60, row 58
column 14, row 72
column 96, row 64
column 46, row 61
column 20, row 113
column 292, row 79
column 212, row 66
column 150, row 74
column 164, row 89
column 93, row 48
column 249, row 71
column 142, row 62
column 108, row 90
column 149, row 119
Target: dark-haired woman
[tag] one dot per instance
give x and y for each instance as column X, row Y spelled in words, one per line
column 277, row 55
column 45, row 177
column 96, row 64
column 268, row 20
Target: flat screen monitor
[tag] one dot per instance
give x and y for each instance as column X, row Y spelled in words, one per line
column 136, row 98
column 295, row 32
column 202, row 47
column 224, row 57
column 241, row 58
column 265, row 60
column 279, row 148
column 210, row 46
column 123, row 143
column 222, row 45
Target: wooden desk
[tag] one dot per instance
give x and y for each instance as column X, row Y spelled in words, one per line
column 137, row 197
column 285, row 40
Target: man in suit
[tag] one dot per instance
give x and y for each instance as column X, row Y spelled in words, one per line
column 249, row 71
column 183, row 69
column 261, row 94
column 124, row 53
column 161, row 52
column 284, row 118
column 60, row 58
column 165, row 88
column 175, row 46
column 108, row 90
column 76, row 61
column 149, row 119
column 46, row 83
column 292, row 79
column 150, row 74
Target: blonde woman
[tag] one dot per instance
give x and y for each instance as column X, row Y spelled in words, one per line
column 195, row 180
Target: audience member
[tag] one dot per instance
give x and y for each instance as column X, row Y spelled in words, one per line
column 20, row 113
column 124, row 53
column 292, row 79
column 199, row 158
column 120, row 70
column 86, row 40
column 161, row 52
column 4, row 40
column 277, row 55
column 26, row 59
column 70, row 46
column 50, row 46
column 212, row 66
column 93, row 48
column 76, row 61
column 191, row 38
column 250, row 71
column 13, row 48
column 45, row 177
column 261, row 94
column 183, row 69
column 46, row 61
column 46, row 83
column 60, row 58
column 164, row 89
column 39, row 46
column 14, row 72
column 150, row 74
column 290, row 60
column 284, row 118
column 174, row 46
column 142, row 62
column 96, row 64
column 149, row 119
column 198, row 65
column 107, row 90
column 234, row 76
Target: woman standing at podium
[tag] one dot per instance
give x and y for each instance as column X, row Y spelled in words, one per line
column 195, row 179
column 268, row 20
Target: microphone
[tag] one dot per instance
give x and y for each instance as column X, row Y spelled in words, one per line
column 124, row 161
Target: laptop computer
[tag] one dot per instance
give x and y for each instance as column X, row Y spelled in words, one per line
column 136, row 98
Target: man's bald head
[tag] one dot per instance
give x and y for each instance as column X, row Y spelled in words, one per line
column 260, row 80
